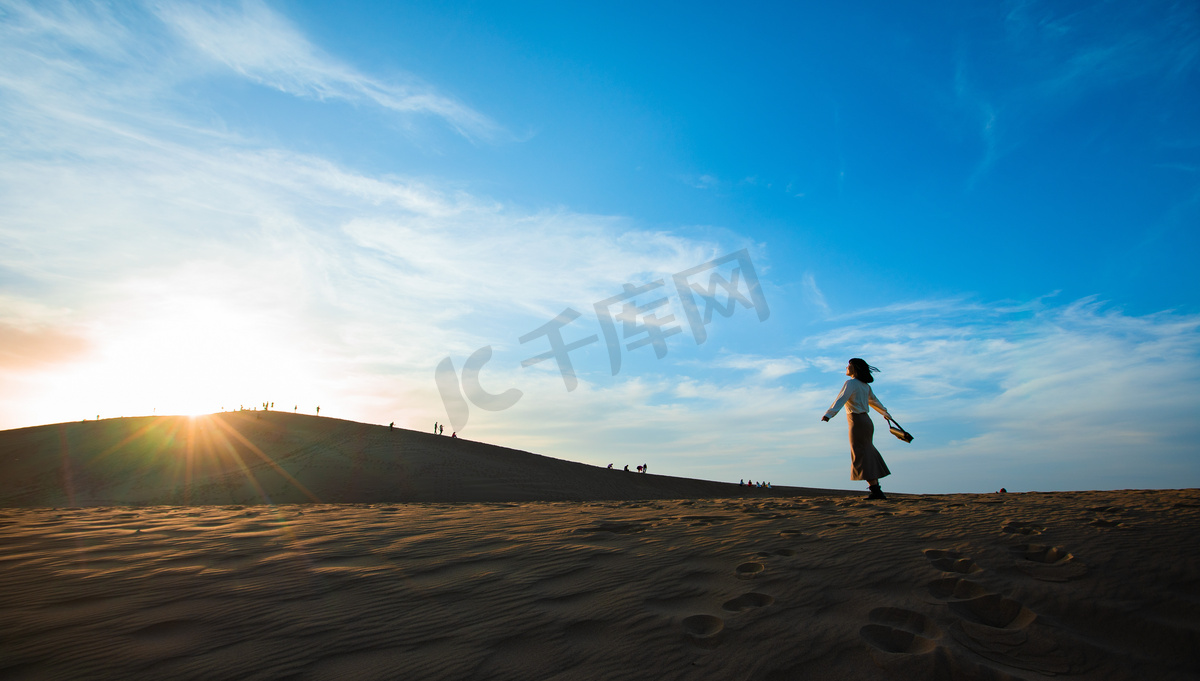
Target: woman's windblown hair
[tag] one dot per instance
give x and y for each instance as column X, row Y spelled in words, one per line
column 862, row 370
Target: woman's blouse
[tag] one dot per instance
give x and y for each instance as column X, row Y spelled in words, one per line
column 856, row 395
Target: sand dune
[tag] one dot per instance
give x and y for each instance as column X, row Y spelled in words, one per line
column 1077, row 585
column 282, row 458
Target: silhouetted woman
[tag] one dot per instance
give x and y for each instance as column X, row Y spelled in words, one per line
column 865, row 461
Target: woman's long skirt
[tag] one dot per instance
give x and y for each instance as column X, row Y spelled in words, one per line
column 866, row 463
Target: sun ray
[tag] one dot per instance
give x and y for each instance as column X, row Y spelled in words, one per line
column 189, row 460
column 245, row 470
column 68, row 478
column 262, row 455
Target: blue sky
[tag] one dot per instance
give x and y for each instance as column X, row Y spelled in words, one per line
column 211, row 204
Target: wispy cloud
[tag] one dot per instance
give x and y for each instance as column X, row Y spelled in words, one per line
column 264, row 47
column 704, row 181
column 1182, row 167
column 985, row 114
column 1057, row 56
column 140, row 56
column 813, row 293
column 1074, row 49
column 766, row 368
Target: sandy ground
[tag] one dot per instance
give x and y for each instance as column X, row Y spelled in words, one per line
column 1085, row 585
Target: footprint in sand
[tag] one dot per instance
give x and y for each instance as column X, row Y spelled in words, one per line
column 748, row 601
column 749, row 570
column 993, row 610
column 1003, row 630
column 704, row 630
column 1023, row 527
column 951, row 561
column 908, row 644
column 895, row 630
column 798, row 537
column 952, row 588
column 1048, row 563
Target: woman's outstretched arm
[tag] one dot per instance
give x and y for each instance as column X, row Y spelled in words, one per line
column 837, row 404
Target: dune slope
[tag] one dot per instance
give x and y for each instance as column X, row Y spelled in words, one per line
column 282, row 458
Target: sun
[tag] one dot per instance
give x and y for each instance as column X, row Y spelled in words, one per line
column 186, row 357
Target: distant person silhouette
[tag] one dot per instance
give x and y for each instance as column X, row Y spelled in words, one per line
column 645, row 468
column 626, row 468
column 610, row 466
column 392, row 425
column 442, row 429
column 318, row 410
column 454, row 434
column 435, row 424
column 866, row 463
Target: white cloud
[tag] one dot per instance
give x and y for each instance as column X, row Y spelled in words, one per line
column 813, row 293
column 1099, row 45
column 264, row 47
column 766, row 368
column 107, row 65
column 704, row 181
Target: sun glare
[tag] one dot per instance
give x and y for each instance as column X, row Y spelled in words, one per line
column 191, row 358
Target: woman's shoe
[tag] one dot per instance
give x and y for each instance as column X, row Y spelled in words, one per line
column 876, row 493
